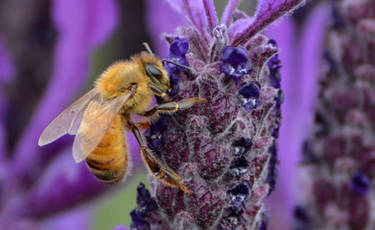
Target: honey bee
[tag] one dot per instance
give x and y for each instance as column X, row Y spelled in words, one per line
column 100, row 118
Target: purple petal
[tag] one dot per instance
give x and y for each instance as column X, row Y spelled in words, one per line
column 239, row 14
column 228, row 12
column 196, row 11
column 120, row 227
column 161, row 19
column 210, row 10
column 6, row 72
column 178, row 6
column 81, row 28
column 300, row 87
column 6, row 65
column 3, row 148
column 281, row 201
column 311, row 49
column 193, row 12
column 78, row 219
column 268, row 11
column 239, row 27
column 19, row 224
column 64, row 185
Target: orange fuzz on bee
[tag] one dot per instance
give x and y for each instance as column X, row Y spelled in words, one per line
column 100, row 118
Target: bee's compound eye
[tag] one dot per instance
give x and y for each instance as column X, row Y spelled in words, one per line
column 152, row 70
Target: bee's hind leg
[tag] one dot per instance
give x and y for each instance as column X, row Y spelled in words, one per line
column 154, row 165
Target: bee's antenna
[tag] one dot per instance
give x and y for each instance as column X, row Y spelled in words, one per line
column 180, row 65
column 147, row 47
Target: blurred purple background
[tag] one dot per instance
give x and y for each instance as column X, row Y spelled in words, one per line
column 51, row 51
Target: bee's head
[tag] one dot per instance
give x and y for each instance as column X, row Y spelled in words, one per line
column 155, row 71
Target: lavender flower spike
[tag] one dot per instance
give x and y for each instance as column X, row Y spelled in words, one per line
column 225, row 150
column 338, row 156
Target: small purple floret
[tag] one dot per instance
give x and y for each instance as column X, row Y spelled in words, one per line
column 272, row 170
column 338, row 21
column 274, row 66
column 179, row 47
column 177, row 51
column 300, row 214
column 275, row 131
column 360, row 184
column 145, row 205
column 144, row 200
column 238, row 193
column 154, row 135
column 235, row 62
column 249, row 95
column 308, row 155
column 263, row 224
column 321, row 126
column 241, row 146
column 231, row 218
column 301, row 218
column 239, row 166
column 138, row 223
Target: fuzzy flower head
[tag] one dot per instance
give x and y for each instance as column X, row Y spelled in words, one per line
column 224, row 150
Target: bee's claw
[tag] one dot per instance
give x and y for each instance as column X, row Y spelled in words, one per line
column 202, row 100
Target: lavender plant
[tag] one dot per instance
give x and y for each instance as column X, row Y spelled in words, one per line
column 225, row 150
column 338, row 157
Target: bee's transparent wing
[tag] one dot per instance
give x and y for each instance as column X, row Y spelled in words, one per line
column 96, row 120
column 67, row 121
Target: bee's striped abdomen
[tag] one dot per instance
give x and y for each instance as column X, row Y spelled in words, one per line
column 109, row 161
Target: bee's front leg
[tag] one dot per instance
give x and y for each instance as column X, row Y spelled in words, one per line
column 154, row 165
column 171, row 107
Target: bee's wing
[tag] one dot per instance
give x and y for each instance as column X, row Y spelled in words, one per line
column 96, row 120
column 67, row 121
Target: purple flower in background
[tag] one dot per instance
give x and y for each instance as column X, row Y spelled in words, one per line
column 120, row 227
column 360, row 183
column 300, row 55
column 338, row 165
column 6, row 73
column 39, row 183
column 224, row 150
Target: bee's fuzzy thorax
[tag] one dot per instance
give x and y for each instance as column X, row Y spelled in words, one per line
column 107, row 84
column 119, row 77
